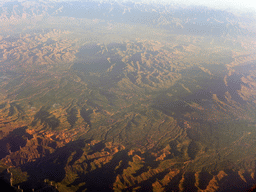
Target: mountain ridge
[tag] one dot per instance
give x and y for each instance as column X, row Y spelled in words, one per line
column 212, row 22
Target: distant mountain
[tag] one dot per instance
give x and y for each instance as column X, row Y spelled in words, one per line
column 188, row 20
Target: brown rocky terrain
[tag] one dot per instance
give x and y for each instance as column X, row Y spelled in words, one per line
column 128, row 97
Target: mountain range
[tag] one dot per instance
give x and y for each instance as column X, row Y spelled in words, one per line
column 126, row 96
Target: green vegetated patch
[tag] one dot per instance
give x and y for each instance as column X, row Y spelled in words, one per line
column 28, row 91
column 11, row 85
column 19, row 176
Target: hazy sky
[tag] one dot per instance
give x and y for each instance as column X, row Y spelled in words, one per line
column 221, row 4
column 237, row 4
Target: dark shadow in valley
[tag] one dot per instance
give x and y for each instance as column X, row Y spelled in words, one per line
column 246, row 68
column 11, row 111
column 189, row 182
column 114, row 74
column 95, row 65
column 214, row 84
column 78, row 155
column 91, row 59
column 174, row 151
column 174, row 183
column 204, row 178
column 46, row 118
column 2, row 105
column 93, row 62
column 15, row 108
column 150, row 163
column 88, row 50
column 109, row 96
column 120, row 46
column 102, row 179
column 193, row 149
column 172, row 108
column 6, row 186
column 52, row 166
column 136, row 58
column 85, row 114
column 72, row 116
column 146, row 185
column 238, row 184
column 13, row 141
column 132, row 76
column 97, row 147
column 234, row 84
column 177, row 106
